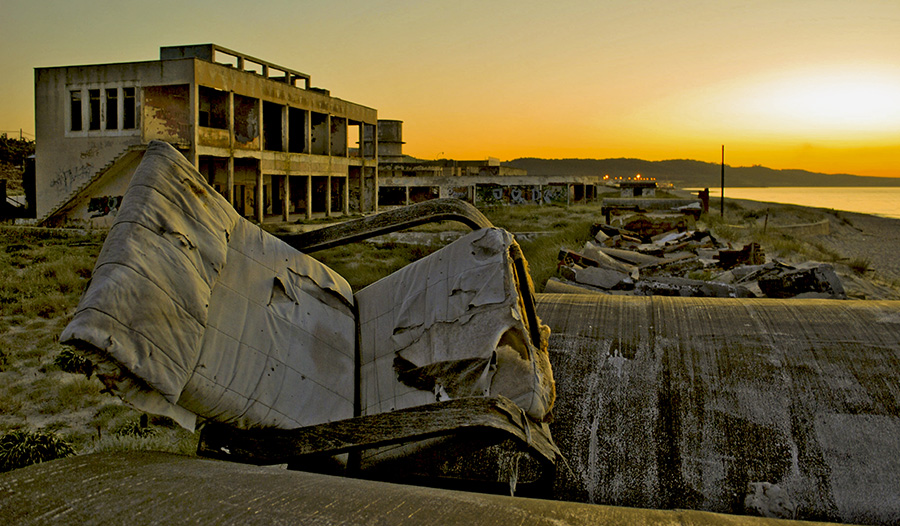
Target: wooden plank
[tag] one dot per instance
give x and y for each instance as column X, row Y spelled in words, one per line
column 276, row 446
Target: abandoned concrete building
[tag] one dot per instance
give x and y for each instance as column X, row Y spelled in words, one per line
column 403, row 179
column 274, row 146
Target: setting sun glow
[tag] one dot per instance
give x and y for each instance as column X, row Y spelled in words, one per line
column 785, row 84
column 844, row 103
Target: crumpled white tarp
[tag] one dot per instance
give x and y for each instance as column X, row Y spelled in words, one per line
column 193, row 311
column 451, row 325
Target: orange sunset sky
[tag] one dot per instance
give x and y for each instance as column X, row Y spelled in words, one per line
column 785, row 84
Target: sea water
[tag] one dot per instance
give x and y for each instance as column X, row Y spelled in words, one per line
column 881, row 201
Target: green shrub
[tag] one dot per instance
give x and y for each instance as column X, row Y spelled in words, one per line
column 22, row 448
column 137, row 428
column 72, row 362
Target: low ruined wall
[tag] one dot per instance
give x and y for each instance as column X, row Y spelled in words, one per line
column 138, row 488
column 647, row 203
column 685, row 402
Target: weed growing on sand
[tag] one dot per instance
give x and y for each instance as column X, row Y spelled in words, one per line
column 859, row 265
column 72, row 362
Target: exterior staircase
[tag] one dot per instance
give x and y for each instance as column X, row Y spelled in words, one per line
column 125, row 156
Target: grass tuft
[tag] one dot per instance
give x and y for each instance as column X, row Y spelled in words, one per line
column 859, row 265
column 22, row 448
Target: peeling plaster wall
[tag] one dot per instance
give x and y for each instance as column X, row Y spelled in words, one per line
column 167, row 114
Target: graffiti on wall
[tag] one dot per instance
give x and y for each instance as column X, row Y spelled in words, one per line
column 104, row 205
column 555, row 194
column 489, row 195
column 458, row 192
column 65, row 179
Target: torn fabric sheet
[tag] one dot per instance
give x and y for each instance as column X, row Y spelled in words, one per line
column 449, row 325
column 193, row 311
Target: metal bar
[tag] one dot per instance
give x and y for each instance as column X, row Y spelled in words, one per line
column 386, row 222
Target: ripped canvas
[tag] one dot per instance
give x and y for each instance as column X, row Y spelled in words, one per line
column 454, row 324
column 193, row 311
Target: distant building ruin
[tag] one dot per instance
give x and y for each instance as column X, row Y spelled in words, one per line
column 403, row 180
column 270, row 143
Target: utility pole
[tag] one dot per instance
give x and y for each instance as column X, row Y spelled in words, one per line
column 722, row 199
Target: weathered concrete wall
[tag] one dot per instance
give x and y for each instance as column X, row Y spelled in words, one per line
column 682, row 402
column 64, row 158
column 160, row 488
column 96, row 206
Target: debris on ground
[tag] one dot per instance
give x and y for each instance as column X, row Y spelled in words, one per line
column 660, row 255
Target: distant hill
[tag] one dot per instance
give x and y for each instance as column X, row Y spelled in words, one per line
column 687, row 173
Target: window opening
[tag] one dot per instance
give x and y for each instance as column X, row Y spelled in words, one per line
column 213, row 108
column 129, row 106
column 112, row 109
column 94, row 100
column 75, row 102
column 297, row 130
column 272, row 126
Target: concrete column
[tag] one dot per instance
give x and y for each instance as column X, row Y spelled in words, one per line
column 328, row 139
column 375, row 182
column 194, row 102
column 308, row 197
column 259, row 111
column 259, row 193
column 328, row 196
column 230, row 181
column 347, row 195
column 406, row 188
column 285, row 132
column 307, row 132
column 346, row 138
column 286, row 215
column 229, row 191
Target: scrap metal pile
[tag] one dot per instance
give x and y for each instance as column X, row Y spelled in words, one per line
column 661, row 256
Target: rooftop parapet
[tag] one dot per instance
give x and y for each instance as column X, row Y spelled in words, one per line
column 221, row 55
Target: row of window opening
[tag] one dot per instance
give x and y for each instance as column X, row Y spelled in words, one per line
column 103, row 109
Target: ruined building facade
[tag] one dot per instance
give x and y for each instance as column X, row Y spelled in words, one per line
column 403, row 180
column 269, row 142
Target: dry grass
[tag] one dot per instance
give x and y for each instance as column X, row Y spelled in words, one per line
column 45, row 272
